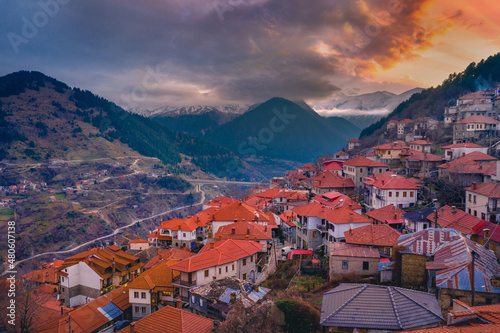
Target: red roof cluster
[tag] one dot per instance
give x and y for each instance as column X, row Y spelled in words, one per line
column 491, row 190
column 330, row 179
column 391, row 181
column 373, row 235
column 218, row 253
column 478, row 120
column 347, row 250
column 335, row 199
column 334, row 215
column 396, row 145
column 385, row 213
column 332, row 165
column 450, row 217
column 462, row 145
column 244, row 231
column 361, row 161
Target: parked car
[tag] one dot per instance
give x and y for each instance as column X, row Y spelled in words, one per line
column 121, row 324
column 285, row 250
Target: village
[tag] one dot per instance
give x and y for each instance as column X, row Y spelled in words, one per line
column 403, row 236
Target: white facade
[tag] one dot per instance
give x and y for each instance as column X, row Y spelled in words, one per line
column 454, row 153
column 80, row 274
column 399, row 198
column 139, row 246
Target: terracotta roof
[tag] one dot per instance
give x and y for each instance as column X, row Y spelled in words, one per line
column 396, row 145
column 288, row 218
column 223, row 252
column 353, row 140
column 48, row 273
column 464, row 166
column 386, row 213
column 478, row 119
column 172, row 320
column 347, row 250
column 240, row 211
column 420, row 142
column 462, row 145
column 330, row 179
column 137, row 241
column 335, row 199
column 415, row 155
column 332, row 165
column 363, row 161
column 458, row 220
column 220, row 202
column 373, row 235
column 389, row 180
column 341, row 153
column 494, row 230
column 309, row 167
column 241, row 230
column 257, row 202
column 171, row 255
column 338, row 215
column 159, row 276
column 491, row 190
column 101, row 260
column 475, row 95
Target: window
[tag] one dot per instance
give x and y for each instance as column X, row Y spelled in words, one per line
column 244, row 276
column 470, row 197
column 136, row 294
column 425, row 226
column 201, row 302
column 397, row 194
column 227, row 268
column 206, row 273
column 220, row 270
column 474, row 199
column 483, row 216
column 62, row 289
column 361, row 170
column 192, row 299
column 390, row 194
column 136, row 309
column 411, row 194
column 244, row 262
column 475, row 213
column 469, row 211
column 143, row 309
column 251, row 258
column 366, row 265
column 184, row 234
column 314, row 234
column 233, row 267
column 166, row 293
column 345, row 264
column 143, row 295
column 62, row 278
column 404, row 194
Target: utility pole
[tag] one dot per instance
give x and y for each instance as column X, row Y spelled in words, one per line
column 473, row 286
column 69, row 323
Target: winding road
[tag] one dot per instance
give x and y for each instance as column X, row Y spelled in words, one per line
column 115, row 232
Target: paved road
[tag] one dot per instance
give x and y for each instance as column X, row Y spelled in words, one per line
column 223, row 182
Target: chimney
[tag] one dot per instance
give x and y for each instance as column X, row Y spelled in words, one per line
column 383, row 182
column 212, row 245
column 486, row 233
column 248, row 229
column 350, row 217
column 247, row 238
column 453, row 209
column 350, row 232
column 132, row 327
column 255, row 239
column 233, row 231
column 178, row 304
column 474, row 185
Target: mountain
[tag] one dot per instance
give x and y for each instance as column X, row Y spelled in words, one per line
column 172, row 111
column 363, row 110
column 431, row 102
column 281, row 129
column 42, row 118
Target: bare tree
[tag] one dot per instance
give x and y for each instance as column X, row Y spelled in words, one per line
column 29, row 302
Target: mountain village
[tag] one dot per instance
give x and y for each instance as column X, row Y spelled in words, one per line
column 392, row 253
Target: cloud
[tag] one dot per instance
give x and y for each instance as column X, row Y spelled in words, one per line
column 220, row 50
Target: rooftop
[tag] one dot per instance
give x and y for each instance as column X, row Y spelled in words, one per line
column 385, row 213
column 363, row 161
column 347, row 250
column 391, row 181
column 373, row 235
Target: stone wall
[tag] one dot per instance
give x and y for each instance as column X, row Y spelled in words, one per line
column 413, row 270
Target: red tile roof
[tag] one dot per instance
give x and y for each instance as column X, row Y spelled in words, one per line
column 338, row 215
column 347, row 250
column 159, row 276
column 137, row 241
column 241, row 230
column 332, row 165
column 491, row 190
column 341, row 153
column 420, row 142
column 330, row 179
column 223, row 252
column 389, row 181
column 458, row 220
column 386, row 213
column 170, row 254
column 478, row 119
column 188, row 224
column 363, row 161
column 415, row 155
column 172, row 320
column 288, row 218
column 47, row 273
column 335, row 199
column 240, row 211
column 494, row 230
column 396, row 145
column 373, row 235
column 463, row 166
column 462, row 145
column 220, row 202
column 353, row 140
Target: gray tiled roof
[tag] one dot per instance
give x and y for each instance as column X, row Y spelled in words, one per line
column 378, row 307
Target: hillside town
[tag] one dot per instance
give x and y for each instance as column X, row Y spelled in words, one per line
column 402, row 236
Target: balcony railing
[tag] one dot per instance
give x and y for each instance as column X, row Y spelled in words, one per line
column 321, row 228
column 184, row 283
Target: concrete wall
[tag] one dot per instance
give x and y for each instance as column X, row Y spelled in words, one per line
column 446, row 296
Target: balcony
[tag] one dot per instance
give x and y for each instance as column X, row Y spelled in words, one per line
column 321, row 228
column 184, row 283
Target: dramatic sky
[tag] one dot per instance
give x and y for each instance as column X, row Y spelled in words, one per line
column 151, row 53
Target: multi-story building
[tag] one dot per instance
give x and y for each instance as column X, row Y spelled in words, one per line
column 88, row 275
column 390, row 153
column 238, row 212
column 483, row 201
column 389, row 188
column 423, row 146
column 479, row 103
column 217, row 260
column 475, row 128
column 454, row 151
column 360, row 167
column 328, row 181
